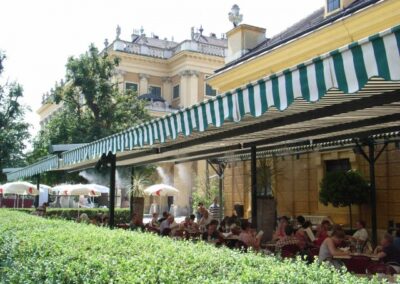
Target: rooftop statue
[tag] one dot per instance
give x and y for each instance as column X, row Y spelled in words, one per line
column 234, row 15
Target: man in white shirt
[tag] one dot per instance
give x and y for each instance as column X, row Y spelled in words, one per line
column 361, row 235
column 168, row 225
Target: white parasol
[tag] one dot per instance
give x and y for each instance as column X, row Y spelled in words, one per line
column 77, row 189
column 161, row 190
column 19, row 188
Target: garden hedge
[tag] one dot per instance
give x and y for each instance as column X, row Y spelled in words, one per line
column 122, row 215
column 39, row 250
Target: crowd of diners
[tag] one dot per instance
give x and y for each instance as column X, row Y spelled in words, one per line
column 330, row 242
column 327, row 241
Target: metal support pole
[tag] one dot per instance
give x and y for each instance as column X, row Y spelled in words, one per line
column 372, row 160
column 112, row 160
column 254, row 185
column 221, row 189
column 38, row 188
column 130, row 193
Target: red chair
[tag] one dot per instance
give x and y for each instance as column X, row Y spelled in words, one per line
column 314, row 252
column 358, row 264
column 375, row 268
column 290, row 251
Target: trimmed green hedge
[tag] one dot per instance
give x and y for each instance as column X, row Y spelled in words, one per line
column 38, row 250
column 121, row 214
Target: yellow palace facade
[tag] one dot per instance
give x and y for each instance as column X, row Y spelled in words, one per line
column 295, row 178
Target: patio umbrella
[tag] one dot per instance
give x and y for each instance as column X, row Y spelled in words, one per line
column 79, row 189
column 98, row 188
column 161, row 190
column 19, row 188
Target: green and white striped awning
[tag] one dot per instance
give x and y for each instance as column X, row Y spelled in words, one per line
column 347, row 69
column 42, row 166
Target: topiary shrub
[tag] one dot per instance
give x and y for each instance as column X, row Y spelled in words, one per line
column 342, row 189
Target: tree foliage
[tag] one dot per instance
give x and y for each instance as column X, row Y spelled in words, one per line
column 93, row 105
column 343, row 189
column 13, row 129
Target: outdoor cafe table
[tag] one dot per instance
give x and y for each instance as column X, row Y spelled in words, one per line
column 357, row 263
column 349, row 256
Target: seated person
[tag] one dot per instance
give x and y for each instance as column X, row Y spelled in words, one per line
column 136, row 223
column 388, row 252
column 41, row 210
column 302, row 235
column 300, row 220
column 288, row 239
column 396, row 240
column 154, row 221
column 189, row 224
column 329, row 248
column 322, row 232
column 205, row 219
column 168, row 226
column 361, row 235
column 224, row 225
column 280, row 230
column 248, row 236
column 165, row 215
column 211, row 235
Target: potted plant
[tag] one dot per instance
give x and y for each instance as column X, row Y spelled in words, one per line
column 343, row 189
column 136, row 193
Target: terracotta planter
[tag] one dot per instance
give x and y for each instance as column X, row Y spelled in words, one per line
column 266, row 216
column 137, row 206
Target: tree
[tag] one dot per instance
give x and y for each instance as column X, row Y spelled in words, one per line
column 13, row 130
column 98, row 106
column 93, row 106
column 343, row 189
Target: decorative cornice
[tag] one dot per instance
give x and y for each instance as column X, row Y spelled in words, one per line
column 143, row 76
column 189, row 73
column 166, row 80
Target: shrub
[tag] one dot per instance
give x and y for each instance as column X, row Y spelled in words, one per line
column 38, row 250
column 122, row 215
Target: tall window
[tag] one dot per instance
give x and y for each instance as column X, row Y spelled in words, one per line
column 210, row 91
column 332, row 5
column 341, row 165
column 155, row 91
column 131, row 86
column 175, row 93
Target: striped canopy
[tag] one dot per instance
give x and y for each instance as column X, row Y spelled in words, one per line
column 44, row 165
column 347, row 69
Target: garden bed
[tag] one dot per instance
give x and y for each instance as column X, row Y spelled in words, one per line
column 38, row 250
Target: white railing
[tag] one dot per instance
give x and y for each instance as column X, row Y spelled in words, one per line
column 188, row 45
column 204, row 48
column 160, row 108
